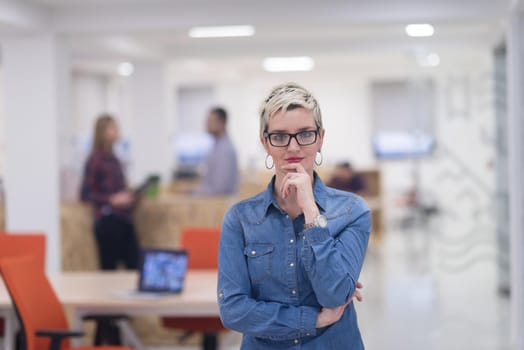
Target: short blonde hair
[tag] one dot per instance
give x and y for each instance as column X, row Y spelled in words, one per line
column 286, row 97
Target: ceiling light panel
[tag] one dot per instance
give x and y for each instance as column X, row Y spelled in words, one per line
column 222, row 31
column 288, row 64
column 420, row 30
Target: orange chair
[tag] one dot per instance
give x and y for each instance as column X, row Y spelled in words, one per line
column 22, row 244
column 43, row 322
column 202, row 245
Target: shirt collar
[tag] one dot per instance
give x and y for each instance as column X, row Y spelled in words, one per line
column 319, row 191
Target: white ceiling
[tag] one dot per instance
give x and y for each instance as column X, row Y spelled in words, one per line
column 157, row 29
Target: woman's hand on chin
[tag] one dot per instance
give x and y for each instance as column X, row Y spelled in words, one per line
column 299, row 184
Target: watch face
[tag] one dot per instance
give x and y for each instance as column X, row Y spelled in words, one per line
column 321, row 221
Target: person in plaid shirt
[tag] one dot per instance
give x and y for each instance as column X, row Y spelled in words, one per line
column 104, row 186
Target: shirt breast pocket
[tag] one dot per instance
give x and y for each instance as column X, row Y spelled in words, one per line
column 259, row 260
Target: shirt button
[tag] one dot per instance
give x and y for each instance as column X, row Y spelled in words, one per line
column 292, row 264
column 308, row 334
column 291, row 240
column 293, row 292
column 296, row 341
column 304, row 237
column 253, row 252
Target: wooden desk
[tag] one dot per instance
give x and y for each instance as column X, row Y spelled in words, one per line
column 100, row 293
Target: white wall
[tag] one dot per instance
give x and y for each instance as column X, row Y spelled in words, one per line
column 91, row 95
column 95, row 93
column 35, row 91
column 2, row 140
column 89, row 99
column 515, row 145
column 149, row 137
column 2, row 128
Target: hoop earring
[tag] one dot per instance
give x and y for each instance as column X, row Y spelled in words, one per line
column 271, row 162
column 319, row 162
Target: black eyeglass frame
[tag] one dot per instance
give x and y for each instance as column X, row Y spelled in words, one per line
column 292, row 136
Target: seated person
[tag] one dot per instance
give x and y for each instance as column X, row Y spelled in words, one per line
column 345, row 179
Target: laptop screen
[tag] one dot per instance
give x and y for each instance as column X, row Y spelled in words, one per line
column 162, row 270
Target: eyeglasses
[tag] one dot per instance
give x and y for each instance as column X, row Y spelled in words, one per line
column 303, row 138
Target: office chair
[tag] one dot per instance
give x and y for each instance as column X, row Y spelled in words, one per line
column 22, row 244
column 42, row 319
column 202, row 245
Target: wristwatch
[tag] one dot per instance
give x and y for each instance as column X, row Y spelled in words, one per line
column 319, row 221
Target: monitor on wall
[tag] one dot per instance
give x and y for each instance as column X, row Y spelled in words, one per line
column 402, row 144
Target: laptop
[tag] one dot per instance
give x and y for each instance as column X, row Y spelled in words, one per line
column 162, row 271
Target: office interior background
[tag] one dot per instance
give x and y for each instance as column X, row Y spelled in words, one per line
column 440, row 117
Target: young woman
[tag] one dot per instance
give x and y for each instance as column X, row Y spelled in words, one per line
column 104, row 185
column 290, row 257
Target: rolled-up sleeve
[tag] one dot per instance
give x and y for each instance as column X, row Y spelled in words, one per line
column 333, row 260
column 238, row 309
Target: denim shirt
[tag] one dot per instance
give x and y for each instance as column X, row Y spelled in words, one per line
column 274, row 277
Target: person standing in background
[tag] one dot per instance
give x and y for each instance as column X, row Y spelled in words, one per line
column 222, row 174
column 104, row 186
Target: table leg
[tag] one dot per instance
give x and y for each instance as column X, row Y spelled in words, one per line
column 129, row 337
column 78, row 324
column 10, row 328
column 210, row 341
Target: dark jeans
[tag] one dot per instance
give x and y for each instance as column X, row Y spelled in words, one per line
column 116, row 241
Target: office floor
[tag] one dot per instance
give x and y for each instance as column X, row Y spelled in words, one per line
column 427, row 289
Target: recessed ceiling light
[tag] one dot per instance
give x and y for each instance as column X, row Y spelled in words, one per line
column 288, row 64
column 221, row 32
column 126, row 69
column 433, row 59
column 418, row 30
column 428, row 59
